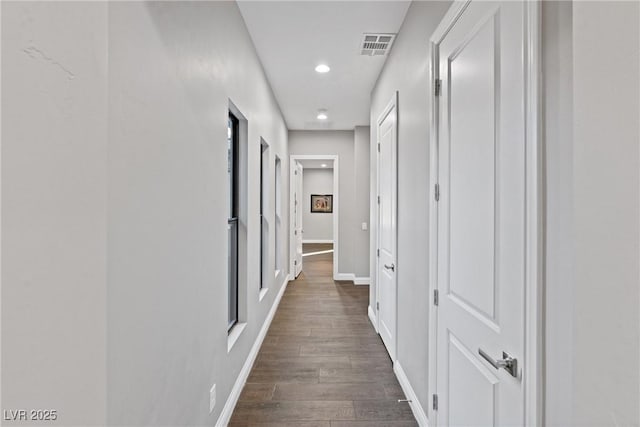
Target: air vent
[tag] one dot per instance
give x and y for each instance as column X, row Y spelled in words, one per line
column 376, row 44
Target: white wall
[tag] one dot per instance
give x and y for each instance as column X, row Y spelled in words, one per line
column 341, row 143
column 173, row 68
column 407, row 71
column 316, row 226
column 362, row 199
column 557, row 63
column 606, row 188
column 54, row 216
column 592, row 234
column 114, row 188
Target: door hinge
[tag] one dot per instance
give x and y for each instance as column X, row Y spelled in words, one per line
column 378, row 147
column 377, row 306
column 435, row 402
column 295, row 232
column 295, row 172
column 295, row 262
column 378, row 252
column 437, row 87
column 436, row 297
column 436, row 191
column 378, row 199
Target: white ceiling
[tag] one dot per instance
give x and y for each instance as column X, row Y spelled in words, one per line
column 292, row 37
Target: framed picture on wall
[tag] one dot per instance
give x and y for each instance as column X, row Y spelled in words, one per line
column 322, row 203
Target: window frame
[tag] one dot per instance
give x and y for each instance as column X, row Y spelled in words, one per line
column 233, row 163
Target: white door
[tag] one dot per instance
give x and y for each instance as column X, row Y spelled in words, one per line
column 386, row 268
column 481, row 218
column 298, row 206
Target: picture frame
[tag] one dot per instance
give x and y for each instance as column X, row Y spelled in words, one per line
column 322, row 203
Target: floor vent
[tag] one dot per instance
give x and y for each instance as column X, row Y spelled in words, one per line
column 376, row 44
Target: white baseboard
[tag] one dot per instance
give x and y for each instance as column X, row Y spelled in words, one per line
column 229, row 406
column 373, row 318
column 352, row 278
column 417, row 409
column 344, row 276
column 316, row 241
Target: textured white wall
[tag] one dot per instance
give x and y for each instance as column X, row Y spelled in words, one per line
column 54, row 216
column 173, row 68
column 407, row 71
column 114, row 188
column 316, row 226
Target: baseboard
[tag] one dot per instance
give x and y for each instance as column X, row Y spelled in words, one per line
column 373, row 318
column 414, row 403
column 316, row 241
column 352, row 278
column 344, row 276
column 229, row 406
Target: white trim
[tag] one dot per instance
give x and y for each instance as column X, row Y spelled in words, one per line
column 229, row 406
column 533, row 358
column 392, row 105
column 262, row 293
column 432, row 338
column 412, row 397
column 336, row 208
column 533, row 366
column 234, row 334
column 373, row 318
column 350, row 277
column 316, row 241
column 361, row 281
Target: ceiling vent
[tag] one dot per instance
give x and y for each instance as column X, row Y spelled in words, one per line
column 376, row 44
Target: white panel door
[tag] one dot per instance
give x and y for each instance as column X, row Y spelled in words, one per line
column 298, row 206
column 387, row 192
column 481, row 217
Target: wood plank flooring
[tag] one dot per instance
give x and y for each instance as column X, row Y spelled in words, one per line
column 321, row 363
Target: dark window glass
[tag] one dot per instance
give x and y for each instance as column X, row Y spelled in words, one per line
column 232, row 167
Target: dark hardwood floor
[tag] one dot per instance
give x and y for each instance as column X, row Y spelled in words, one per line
column 321, row 363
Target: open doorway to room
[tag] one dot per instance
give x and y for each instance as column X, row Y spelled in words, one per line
column 314, row 210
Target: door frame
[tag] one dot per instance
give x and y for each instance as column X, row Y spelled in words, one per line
column 533, row 380
column 293, row 158
column 391, row 105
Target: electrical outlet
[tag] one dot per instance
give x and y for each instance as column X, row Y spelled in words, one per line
column 364, row 226
column 212, row 398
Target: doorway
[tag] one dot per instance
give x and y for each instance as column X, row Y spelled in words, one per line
column 484, row 365
column 323, row 206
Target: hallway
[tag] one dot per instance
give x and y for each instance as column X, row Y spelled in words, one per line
column 321, row 363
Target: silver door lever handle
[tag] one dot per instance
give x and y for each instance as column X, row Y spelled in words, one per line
column 507, row 362
column 391, row 267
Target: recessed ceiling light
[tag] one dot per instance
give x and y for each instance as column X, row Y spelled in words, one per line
column 323, row 68
column 322, row 116
column 324, row 165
